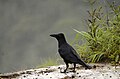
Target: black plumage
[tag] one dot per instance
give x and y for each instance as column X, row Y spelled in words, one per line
column 68, row 53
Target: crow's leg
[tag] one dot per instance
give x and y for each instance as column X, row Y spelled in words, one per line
column 74, row 67
column 66, row 67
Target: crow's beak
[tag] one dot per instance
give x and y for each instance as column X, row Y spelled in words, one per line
column 53, row 35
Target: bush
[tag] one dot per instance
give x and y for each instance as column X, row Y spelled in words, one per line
column 103, row 37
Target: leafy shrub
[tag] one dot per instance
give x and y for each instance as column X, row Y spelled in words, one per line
column 103, row 37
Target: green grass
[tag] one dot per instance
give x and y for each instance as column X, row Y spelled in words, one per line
column 48, row 62
column 102, row 40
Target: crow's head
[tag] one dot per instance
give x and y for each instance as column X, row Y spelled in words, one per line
column 58, row 36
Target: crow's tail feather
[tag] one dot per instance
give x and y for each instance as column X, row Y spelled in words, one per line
column 81, row 62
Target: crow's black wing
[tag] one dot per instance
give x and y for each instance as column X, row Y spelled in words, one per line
column 79, row 60
column 69, row 54
column 73, row 51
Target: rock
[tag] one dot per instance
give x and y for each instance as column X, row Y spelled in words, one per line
column 53, row 72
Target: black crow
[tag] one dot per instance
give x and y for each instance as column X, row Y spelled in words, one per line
column 68, row 53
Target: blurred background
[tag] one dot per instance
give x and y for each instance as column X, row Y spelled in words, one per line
column 25, row 26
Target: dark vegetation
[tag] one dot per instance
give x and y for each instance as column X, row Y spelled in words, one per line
column 101, row 43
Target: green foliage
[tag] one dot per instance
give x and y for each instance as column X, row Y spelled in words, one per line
column 103, row 37
column 49, row 62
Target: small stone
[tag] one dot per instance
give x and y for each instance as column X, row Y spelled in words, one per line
column 22, row 73
column 94, row 66
column 66, row 72
column 28, row 72
column 67, row 77
column 115, row 71
column 110, row 76
column 102, row 66
column 73, row 76
column 77, row 73
column 58, row 67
